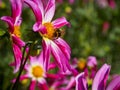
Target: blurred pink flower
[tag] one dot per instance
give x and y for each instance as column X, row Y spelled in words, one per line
column 14, row 29
column 91, row 61
column 106, row 26
column 102, row 3
column 99, row 82
column 49, row 30
column 105, row 3
column 71, row 1
column 91, row 68
column 112, row 3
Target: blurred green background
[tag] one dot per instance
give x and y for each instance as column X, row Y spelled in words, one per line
column 95, row 30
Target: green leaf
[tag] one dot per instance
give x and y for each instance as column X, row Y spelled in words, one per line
column 2, row 32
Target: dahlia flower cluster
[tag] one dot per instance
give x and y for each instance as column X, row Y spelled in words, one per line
column 51, row 69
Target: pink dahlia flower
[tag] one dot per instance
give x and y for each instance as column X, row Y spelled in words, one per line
column 14, row 22
column 35, row 70
column 49, row 30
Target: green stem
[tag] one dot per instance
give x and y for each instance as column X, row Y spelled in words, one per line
column 22, row 64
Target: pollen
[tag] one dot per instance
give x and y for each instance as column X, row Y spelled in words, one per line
column 17, row 31
column 50, row 30
column 37, row 71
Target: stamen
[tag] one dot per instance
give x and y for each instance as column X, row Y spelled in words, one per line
column 50, row 30
column 17, row 31
column 81, row 64
column 37, row 71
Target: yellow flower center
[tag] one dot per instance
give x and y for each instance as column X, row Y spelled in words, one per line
column 81, row 64
column 17, row 31
column 51, row 88
column 37, row 71
column 52, row 33
column 50, row 30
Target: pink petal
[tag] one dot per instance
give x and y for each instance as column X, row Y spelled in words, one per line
column 55, row 85
column 52, row 66
column 46, row 53
column 38, row 59
column 39, row 27
column 114, row 84
column 36, row 26
column 71, row 83
column 9, row 21
column 53, row 76
column 49, row 11
column 16, row 11
column 43, row 86
column 60, row 22
column 33, row 5
column 60, row 58
column 32, row 85
column 40, row 5
column 93, row 73
column 16, row 8
column 65, row 48
column 100, row 79
column 92, row 62
column 27, row 67
column 41, row 81
column 18, row 41
column 44, row 2
column 17, row 56
column 74, row 72
column 22, row 77
column 18, row 21
column 81, row 82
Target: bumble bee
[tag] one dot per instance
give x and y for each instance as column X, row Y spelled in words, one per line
column 58, row 33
